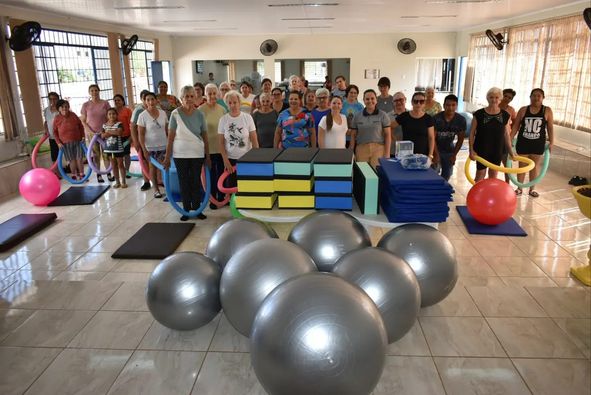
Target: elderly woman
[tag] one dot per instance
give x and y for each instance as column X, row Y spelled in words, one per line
column 417, row 126
column 266, row 86
column 93, row 115
column 265, row 120
column 213, row 112
column 199, row 94
column 489, row 132
column 236, row 133
column 68, row 132
column 432, row 107
column 310, row 101
column 295, row 128
column 167, row 102
column 188, row 145
column 152, row 132
column 322, row 107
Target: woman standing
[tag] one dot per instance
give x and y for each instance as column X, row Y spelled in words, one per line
column 295, row 128
column 213, row 112
column 417, row 126
column 69, row 133
column 278, row 104
column 265, row 121
column 332, row 128
column 236, row 133
column 533, row 125
column 152, row 132
column 246, row 97
column 432, row 107
column 322, row 109
column 310, row 101
column 93, row 115
column 488, row 133
column 124, row 116
column 49, row 114
column 266, row 86
column 167, row 102
column 188, row 145
column 199, row 94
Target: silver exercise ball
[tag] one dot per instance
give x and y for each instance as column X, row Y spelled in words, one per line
column 430, row 255
column 183, row 291
column 389, row 282
column 235, row 234
column 250, row 276
column 328, row 235
column 318, row 334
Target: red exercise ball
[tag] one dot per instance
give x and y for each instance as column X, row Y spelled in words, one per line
column 491, row 201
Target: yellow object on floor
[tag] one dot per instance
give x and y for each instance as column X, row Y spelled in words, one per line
column 265, row 202
column 296, row 201
column 290, row 185
column 256, row 186
column 582, row 273
column 584, row 202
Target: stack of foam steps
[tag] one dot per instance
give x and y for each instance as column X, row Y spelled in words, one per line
column 412, row 195
column 255, row 171
column 365, row 188
column 333, row 179
column 294, row 178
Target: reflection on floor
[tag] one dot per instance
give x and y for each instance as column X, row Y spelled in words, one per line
column 73, row 320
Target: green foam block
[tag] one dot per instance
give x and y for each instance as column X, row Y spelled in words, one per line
column 365, row 188
column 331, row 170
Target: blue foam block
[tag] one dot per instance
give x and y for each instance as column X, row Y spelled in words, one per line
column 254, row 169
column 335, row 187
column 507, row 228
column 334, row 203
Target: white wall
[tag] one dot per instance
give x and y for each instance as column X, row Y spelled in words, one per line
column 366, row 51
column 340, row 67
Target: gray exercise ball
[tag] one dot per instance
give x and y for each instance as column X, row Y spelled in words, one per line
column 183, row 291
column 318, row 334
column 328, row 235
column 251, row 275
column 235, row 234
column 430, row 255
column 389, row 282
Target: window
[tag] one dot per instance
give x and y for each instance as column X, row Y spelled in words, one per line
column 553, row 55
column 315, row 71
column 140, row 63
column 260, row 67
column 67, row 63
column 437, row 73
column 278, row 72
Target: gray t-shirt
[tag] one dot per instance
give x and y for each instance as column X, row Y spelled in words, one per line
column 386, row 104
column 370, row 126
column 265, row 125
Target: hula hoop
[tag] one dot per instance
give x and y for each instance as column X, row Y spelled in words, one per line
column 213, row 200
column 166, row 180
column 516, row 170
column 65, row 175
column 36, row 151
column 540, row 176
column 96, row 138
column 221, row 186
column 145, row 172
column 233, row 209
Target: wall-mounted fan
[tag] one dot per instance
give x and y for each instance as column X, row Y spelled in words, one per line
column 587, row 16
column 498, row 39
column 128, row 44
column 23, row 36
column 269, row 47
column 407, row 46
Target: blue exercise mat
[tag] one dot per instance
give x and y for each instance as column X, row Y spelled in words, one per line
column 507, row 228
column 398, row 176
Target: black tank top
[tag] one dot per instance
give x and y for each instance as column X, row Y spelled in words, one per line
column 532, row 132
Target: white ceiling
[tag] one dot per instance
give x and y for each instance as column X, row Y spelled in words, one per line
column 240, row 17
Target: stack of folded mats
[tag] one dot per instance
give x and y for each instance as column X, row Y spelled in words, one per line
column 255, row 172
column 333, row 179
column 294, row 178
column 412, row 195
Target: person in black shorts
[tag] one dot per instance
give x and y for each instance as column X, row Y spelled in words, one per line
column 489, row 132
column 533, row 125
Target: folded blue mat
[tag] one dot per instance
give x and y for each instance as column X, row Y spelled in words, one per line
column 407, row 215
column 398, row 176
column 334, row 203
column 507, row 228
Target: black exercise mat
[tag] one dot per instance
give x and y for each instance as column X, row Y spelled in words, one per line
column 297, row 155
column 260, row 155
column 77, row 196
column 21, row 227
column 155, row 240
column 334, row 156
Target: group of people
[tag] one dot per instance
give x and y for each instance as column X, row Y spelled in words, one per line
column 215, row 126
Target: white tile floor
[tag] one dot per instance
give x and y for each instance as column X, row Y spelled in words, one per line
column 73, row 320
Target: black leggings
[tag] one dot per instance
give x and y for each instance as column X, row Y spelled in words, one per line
column 217, row 168
column 189, row 173
column 54, row 149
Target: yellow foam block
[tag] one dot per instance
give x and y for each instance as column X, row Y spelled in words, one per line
column 253, row 201
column 296, row 201
column 256, row 186
column 289, row 185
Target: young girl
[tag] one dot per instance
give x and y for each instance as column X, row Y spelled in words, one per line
column 112, row 134
column 69, row 133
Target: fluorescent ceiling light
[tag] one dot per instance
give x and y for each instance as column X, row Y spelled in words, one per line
column 427, row 16
column 215, row 28
column 309, row 27
column 307, row 19
column 191, row 21
column 460, row 1
column 303, row 4
column 150, row 7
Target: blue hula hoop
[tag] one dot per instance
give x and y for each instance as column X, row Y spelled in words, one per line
column 65, row 175
column 540, row 176
column 89, row 154
column 179, row 209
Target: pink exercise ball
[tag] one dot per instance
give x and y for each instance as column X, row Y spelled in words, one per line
column 39, row 186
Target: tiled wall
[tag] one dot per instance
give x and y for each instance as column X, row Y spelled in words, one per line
column 570, row 163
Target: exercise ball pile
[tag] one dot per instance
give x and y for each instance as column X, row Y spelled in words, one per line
column 430, row 255
column 491, row 201
column 328, row 235
column 39, row 186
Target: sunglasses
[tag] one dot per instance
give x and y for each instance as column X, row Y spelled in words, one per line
column 418, row 101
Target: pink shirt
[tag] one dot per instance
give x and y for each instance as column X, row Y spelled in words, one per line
column 96, row 114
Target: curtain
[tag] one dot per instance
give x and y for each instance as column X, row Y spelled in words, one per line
column 7, row 106
column 429, row 73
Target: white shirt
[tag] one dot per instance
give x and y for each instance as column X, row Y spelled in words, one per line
column 155, row 138
column 246, row 103
column 49, row 117
column 236, row 131
column 336, row 137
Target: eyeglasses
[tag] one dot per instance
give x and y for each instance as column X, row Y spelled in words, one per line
column 399, row 100
column 418, row 101
column 322, row 97
column 157, row 124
